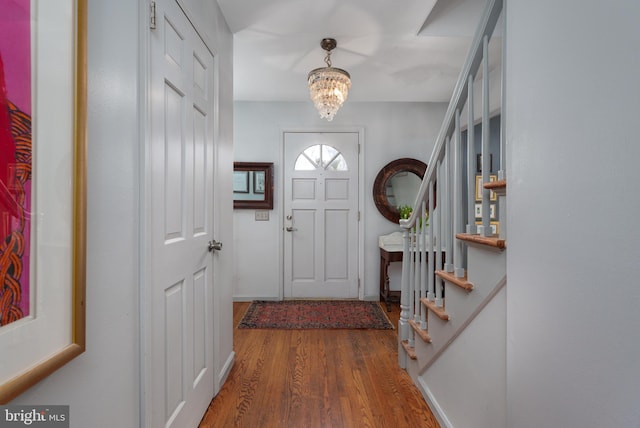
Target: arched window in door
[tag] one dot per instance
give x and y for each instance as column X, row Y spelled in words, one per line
column 321, row 156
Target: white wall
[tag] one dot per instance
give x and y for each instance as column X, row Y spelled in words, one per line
column 391, row 131
column 573, row 355
column 468, row 381
column 105, row 379
column 102, row 386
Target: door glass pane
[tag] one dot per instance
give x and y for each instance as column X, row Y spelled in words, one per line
column 328, row 154
column 313, row 153
column 338, row 164
column 303, row 164
column 321, row 156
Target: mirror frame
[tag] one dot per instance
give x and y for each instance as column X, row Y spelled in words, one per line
column 267, row 167
column 390, row 212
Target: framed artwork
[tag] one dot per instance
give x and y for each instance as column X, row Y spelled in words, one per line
column 240, row 181
column 42, row 189
column 258, row 182
column 260, row 195
column 495, row 226
column 492, row 195
column 478, row 211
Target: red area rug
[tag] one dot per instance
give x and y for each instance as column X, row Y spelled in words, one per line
column 315, row 314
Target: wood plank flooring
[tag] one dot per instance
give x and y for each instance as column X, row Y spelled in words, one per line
column 317, row 379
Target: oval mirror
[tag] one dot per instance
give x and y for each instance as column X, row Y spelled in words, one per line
column 397, row 184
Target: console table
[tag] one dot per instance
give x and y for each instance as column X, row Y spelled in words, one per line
column 391, row 247
column 386, row 257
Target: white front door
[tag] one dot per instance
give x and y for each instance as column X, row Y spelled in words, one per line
column 321, row 215
column 179, row 356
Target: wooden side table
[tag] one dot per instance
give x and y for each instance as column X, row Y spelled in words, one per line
column 386, row 257
column 391, row 251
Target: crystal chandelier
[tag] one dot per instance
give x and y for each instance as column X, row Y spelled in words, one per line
column 328, row 86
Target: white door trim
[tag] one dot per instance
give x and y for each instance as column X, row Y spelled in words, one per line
column 144, row 135
column 361, row 196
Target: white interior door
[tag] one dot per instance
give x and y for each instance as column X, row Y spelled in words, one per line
column 179, row 330
column 321, row 215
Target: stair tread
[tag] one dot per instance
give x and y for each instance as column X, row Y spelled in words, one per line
column 411, row 352
column 453, row 279
column 491, row 241
column 498, row 184
column 424, row 335
column 439, row 311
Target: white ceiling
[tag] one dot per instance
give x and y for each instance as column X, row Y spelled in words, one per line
column 395, row 50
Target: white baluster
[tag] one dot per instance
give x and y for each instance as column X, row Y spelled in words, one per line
column 486, row 157
column 424, row 256
column 440, row 241
column 502, row 173
column 458, row 249
column 471, row 161
column 403, row 322
column 412, row 279
column 448, row 206
column 431, row 245
column 416, row 273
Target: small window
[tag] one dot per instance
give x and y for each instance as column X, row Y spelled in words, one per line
column 321, row 156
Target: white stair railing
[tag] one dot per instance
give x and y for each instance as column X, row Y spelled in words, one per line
column 449, row 191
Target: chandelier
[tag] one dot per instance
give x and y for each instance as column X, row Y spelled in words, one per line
column 328, row 86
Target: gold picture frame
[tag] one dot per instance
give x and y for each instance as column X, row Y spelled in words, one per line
column 492, row 211
column 53, row 333
column 495, row 226
column 492, row 195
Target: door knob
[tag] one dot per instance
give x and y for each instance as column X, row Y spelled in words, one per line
column 291, row 229
column 215, row 245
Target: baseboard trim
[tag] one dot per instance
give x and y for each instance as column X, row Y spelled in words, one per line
column 433, row 404
column 252, row 298
column 226, row 369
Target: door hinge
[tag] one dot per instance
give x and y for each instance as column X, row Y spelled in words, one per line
column 152, row 15
column 358, row 215
column 358, row 283
column 358, row 148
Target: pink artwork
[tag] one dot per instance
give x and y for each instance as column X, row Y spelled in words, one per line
column 15, row 159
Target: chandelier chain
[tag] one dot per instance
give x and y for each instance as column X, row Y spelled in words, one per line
column 327, row 59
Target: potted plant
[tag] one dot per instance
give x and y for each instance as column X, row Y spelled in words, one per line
column 405, row 213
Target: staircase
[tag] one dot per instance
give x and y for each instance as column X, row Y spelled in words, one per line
column 452, row 328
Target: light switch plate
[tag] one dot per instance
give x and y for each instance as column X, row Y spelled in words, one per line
column 262, row 215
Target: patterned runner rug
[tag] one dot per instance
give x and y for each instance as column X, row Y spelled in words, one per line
column 315, row 314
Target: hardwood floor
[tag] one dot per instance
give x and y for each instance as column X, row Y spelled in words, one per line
column 317, row 378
